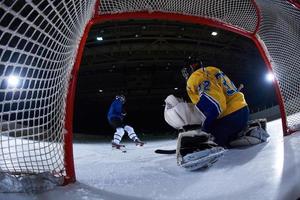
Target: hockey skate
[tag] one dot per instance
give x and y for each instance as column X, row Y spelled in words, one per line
column 138, row 142
column 120, row 147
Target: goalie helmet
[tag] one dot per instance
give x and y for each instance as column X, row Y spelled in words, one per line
column 121, row 98
column 191, row 64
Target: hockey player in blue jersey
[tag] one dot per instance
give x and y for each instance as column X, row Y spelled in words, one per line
column 115, row 118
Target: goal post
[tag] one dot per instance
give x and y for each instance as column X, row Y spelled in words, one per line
column 38, row 48
column 41, row 45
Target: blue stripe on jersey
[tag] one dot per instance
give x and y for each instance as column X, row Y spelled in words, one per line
column 217, row 75
column 214, row 102
column 210, row 108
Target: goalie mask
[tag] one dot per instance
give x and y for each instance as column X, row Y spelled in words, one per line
column 191, row 65
column 121, row 98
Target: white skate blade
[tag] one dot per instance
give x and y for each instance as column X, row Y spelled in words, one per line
column 122, row 149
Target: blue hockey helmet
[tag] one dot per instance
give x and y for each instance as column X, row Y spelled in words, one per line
column 121, row 97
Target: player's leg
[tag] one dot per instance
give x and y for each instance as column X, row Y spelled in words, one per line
column 132, row 135
column 118, row 125
column 262, row 123
column 227, row 128
column 255, row 133
column 118, row 137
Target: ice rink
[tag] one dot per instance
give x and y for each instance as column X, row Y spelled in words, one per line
column 268, row 171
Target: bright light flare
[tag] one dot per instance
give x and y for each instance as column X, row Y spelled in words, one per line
column 99, row 38
column 214, row 33
column 13, row 81
column 270, row 77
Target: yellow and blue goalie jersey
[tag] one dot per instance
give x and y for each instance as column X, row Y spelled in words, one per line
column 214, row 94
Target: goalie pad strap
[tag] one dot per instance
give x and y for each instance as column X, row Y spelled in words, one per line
column 191, row 141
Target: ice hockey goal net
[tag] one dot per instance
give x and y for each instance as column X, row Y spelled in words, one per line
column 41, row 45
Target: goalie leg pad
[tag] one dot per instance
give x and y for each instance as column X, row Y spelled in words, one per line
column 258, row 132
column 258, row 122
column 252, row 136
column 245, row 141
column 192, row 141
column 202, row 159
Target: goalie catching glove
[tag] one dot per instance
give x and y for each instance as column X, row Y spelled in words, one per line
column 196, row 150
column 179, row 113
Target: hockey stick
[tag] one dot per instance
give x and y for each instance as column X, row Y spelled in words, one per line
column 164, row 151
column 240, row 87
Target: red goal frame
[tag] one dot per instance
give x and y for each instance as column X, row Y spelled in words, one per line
column 96, row 19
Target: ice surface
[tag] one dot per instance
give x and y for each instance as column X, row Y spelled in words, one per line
column 268, row 171
column 35, row 183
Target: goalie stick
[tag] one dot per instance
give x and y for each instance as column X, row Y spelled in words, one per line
column 165, row 151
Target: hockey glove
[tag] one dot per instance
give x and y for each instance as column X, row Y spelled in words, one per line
column 178, row 113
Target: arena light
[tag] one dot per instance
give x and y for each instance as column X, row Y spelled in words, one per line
column 99, row 38
column 214, row 33
column 13, row 81
column 270, row 77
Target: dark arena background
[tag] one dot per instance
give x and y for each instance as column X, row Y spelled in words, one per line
column 62, row 62
column 143, row 60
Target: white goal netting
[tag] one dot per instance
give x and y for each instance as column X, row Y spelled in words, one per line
column 38, row 46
